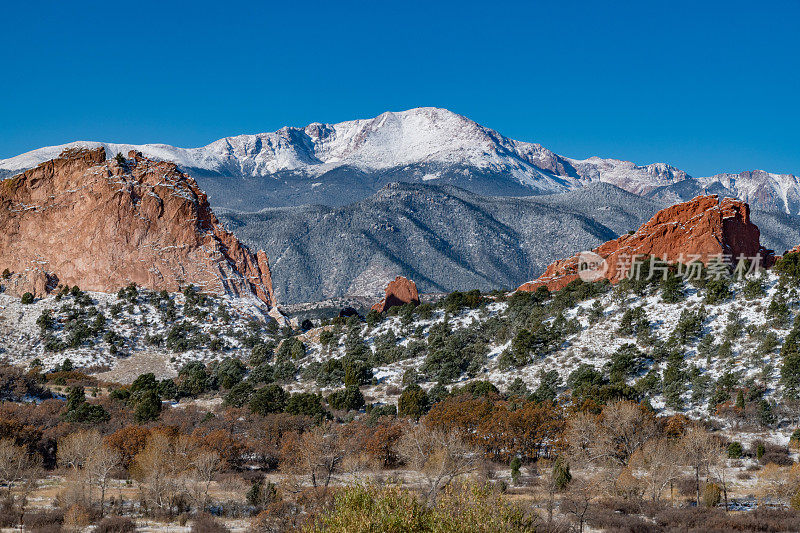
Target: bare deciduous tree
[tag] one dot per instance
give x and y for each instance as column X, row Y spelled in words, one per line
column 100, row 466
column 91, row 462
column 316, row 454
column 779, row 482
column 699, row 451
column 16, row 466
column 438, row 455
column 614, row 436
column 587, row 443
column 656, row 464
column 627, row 426
column 577, row 500
column 75, row 448
column 159, row 468
column 204, row 467
column 18, row 473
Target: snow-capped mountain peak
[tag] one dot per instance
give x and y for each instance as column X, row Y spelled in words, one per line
column 422, row 144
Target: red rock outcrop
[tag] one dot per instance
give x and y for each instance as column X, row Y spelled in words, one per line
column 701, row 229
column 101, row 224
column 398, row 292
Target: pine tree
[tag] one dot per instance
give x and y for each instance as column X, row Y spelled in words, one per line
column 517, row 389
column 740, row 400
column 672, row 289
column 412, row 402
column 790, row 369
column 515, row 466
column 561, row 474
column 148, row 406
column 734, row 450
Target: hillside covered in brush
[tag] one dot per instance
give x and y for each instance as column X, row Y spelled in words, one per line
column 681, row 347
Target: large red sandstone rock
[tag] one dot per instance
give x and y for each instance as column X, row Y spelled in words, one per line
column 83, row 220
column 700, row 229
column 399, row 292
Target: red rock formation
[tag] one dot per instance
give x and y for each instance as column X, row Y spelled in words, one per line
column 82, row 220
column 701, row 229
column 795, row 250
column 399, row 292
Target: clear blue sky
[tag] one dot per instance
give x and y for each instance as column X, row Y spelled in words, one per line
column 705, row 86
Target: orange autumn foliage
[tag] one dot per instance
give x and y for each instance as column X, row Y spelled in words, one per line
column 502, row 429
column 128, row 441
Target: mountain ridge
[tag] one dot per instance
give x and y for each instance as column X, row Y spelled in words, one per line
column 336, row 164
column 446, row 238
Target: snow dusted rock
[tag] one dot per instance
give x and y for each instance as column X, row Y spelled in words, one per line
column 101, row 224
column 398, row 292
column 33, row 279
column 795, row 250
column 701, row 229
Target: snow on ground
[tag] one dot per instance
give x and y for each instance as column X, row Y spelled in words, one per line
column 135, row 323
column 594, row 343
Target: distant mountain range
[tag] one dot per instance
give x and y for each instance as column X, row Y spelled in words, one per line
column 337, row 164
column 446, row 238
column 429, row 194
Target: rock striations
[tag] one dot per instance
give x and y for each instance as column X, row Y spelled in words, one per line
column 398, row 292
column 700, row 229
column 101, row 224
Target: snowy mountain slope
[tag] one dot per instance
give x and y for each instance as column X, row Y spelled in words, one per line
column 418, row 136
column 763, row 189
column 446, row 238
column 336, row 164
column 728, row 345
column 443, row 237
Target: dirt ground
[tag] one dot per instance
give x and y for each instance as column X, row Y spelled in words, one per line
column 130, row 368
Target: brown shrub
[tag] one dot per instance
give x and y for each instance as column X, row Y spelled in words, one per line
column 71, row 378
column 77, row 516
column 758, row 520
column 712, row 494
column 278, row 516
column 685, row 486
column 778, row 457
column 116, row 524
column 618, row 517
column 44, row 521
column 205, row 523
column 47, row 528
column 393, row 390
column 9, row 514
column 613, row 522
column 685, row 518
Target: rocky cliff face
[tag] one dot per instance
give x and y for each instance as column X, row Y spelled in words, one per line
column 101, row 224
column 398, row 292
column 701, row 229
